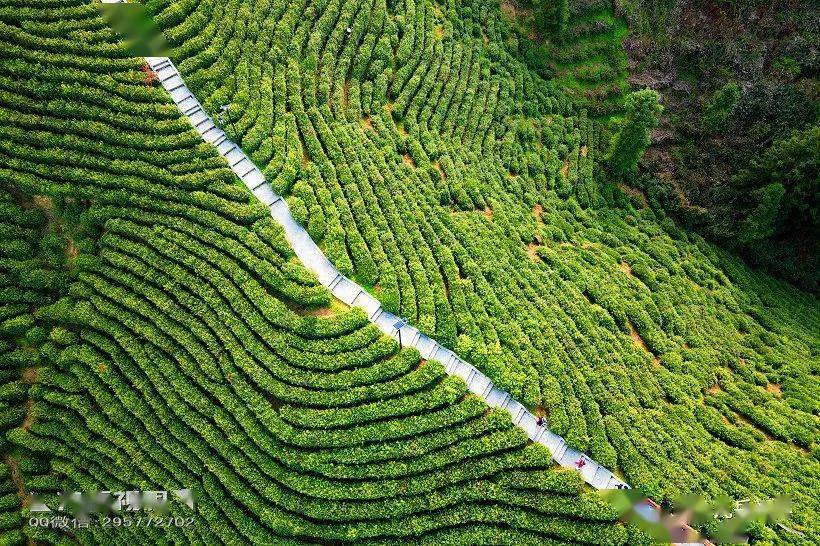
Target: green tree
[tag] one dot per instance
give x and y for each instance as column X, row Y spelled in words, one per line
column 780, row 191
column 717, row 109
column 552, row 16
column 642, row 111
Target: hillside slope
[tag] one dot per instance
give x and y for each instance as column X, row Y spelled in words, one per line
column 437, row 168
column 185, row 347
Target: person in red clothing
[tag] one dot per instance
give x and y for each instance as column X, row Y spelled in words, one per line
column 580, row 463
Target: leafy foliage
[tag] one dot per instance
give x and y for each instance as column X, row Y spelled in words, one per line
column 740, row 84
column 183, row 346
column 434, row 164
column 641, row 112
column 469, row 194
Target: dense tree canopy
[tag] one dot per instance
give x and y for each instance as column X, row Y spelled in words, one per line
column 641, row 113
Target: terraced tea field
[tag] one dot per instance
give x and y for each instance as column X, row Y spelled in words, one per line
column 190, row 350
column 159, row 332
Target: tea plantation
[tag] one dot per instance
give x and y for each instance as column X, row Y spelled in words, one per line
column 159, row 333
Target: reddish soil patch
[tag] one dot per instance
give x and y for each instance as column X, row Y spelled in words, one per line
column 150, row 77
column 774, row 389
column 488, row 213
column 532, row 251
column 437, row 167
column 565, row 169
column 714, row 389
column 367, row 123
column 638, row 340
column 537, row 210
column 408, row 160
column 377, row 288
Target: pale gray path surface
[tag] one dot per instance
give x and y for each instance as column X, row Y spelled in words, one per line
column 352, row 294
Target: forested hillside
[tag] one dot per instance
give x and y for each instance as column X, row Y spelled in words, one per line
column 737, row 155
column 438, row 162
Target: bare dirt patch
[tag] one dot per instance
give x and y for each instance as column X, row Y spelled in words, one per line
column 29, row 375
column 71, row 252
column 408, row 160
column 28, row 420
column 565, row 169
column 488, row 213
column 714, row 389
column 437, row 167
column 367, row 123
column 305, row 153
column 45, row 204
column 522, row 17
column 345, row 93
column 625, row 267
column 537, row 210
column 639, row 341
column 532, row 251
column 377, row 289
column 746, row 421
column 774, row 388
column 16, row 477
column 150, row 77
